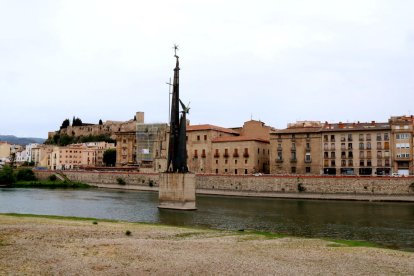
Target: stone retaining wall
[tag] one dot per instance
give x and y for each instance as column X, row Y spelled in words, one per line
column 260, row 185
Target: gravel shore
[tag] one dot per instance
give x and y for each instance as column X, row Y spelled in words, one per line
column 45, row 246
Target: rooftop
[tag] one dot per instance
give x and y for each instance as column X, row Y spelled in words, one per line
column 238, row 139
column 210, row 127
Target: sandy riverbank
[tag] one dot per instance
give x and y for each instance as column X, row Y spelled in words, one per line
column 33, row 245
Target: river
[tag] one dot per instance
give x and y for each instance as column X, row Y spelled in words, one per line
column 386, row 223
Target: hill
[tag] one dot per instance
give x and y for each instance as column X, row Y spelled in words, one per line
column 21, row 140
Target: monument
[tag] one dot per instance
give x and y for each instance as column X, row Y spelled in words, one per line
column 177, row 185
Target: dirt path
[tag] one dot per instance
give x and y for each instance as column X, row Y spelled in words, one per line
column 43, row 246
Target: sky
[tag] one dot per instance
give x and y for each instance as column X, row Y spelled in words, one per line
column 276, row 61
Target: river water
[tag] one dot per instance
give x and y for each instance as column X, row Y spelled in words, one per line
column 385, row 223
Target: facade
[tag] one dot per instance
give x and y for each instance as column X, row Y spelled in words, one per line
column 402, row 135
column 126, row 148
column 5, row 149
column 214, row 149
column 356, row 149
column 364, row 149
column 296, row 149
column 78, row 155
column 41, row 155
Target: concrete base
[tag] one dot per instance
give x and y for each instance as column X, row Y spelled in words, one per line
column 177, row 191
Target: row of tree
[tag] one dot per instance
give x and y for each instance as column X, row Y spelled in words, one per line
column 75, row 122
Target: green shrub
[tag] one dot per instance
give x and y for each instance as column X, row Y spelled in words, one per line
column 52, row 177
column 7, row 176
column 25, row 175
column 120, row 181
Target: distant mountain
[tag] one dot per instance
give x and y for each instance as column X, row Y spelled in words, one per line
column 11, row 139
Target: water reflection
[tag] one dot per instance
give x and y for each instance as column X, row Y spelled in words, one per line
column 390, row 224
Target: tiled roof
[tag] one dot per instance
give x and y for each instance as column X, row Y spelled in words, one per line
column 238, row 139
column 297, row 130
column 356, row 126
column 210, row 127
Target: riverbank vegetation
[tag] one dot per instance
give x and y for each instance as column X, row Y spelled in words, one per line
column 25, row 178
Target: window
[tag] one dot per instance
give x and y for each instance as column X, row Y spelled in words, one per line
column 369, row 163
column 361, row 154
column 379, row 154
column 245, row 171
column 349, row 137
column 307, row 169
column 293, row 169
column 236, row 153
column 195, row 154
column 216, row 154
column 342, row 146
column 216, row 161
column 225, row 161
column 308, row 157
column 325, row 138
column 350, row 154
column 332, row 146
column 342, row 137
column 333, row 163
column 386, row 136
column 349, row 145
column 325, row 155
column 293, row 146
column 361, row 163
column 343, row 163
column 225, row 170
column 203, row 153
column 325, row 146
column 216, row 171
column 308, row 146
column 279, row 156
column 205, row 137
column 361, row 137
column 333, row 155
column 235, row 171
column 343, row 155
column 245, row 161
column 246, row 153
column 361, row 145
column 368, row 137
column 379, row 137
column 226, row 153
column 350, row 163
column 198, row 137
column 235, row 161
column 293, row 156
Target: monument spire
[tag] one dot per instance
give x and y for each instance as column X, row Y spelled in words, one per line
column 176, row 161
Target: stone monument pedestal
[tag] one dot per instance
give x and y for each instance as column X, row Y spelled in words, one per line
column 177, row 191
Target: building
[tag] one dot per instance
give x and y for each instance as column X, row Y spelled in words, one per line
column 41, row 155
column 77, row 156
column 151, row 146
column 402, row 144
column 332, row 149
column 214, row 149
column 296, row 149
column 5, row 149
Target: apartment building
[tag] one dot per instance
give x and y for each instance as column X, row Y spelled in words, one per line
column 296, row 149
column 214, row 149
column 402, row 130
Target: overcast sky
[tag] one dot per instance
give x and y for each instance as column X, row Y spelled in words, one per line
column 276, row 61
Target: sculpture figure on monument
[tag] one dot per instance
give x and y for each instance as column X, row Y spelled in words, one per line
column 177, row 148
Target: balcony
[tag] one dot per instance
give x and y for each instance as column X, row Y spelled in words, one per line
column 307, row 149
column 293, row 160
column 279, row 160
column 235, row 155
column 308, row 160
column 246, row 155
column 226, row 155
column 216, row 155
column 203, row 155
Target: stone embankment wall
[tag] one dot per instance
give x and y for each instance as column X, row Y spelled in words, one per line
column 132, row 180
column 318, row 187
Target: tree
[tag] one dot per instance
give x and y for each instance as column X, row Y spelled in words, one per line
column 100, row 122
column 7, row 176
column 65, row 124
column 76, row 122
column 25, row 175
column 109, row 157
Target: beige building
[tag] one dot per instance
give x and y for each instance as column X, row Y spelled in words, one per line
column 402, row 135
column 214, row 149
column 78, row 156
column 126, row 148
column 332, row 149
column 41, row 155
column 5, row 149
column 296, row 149
column 356, row 148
